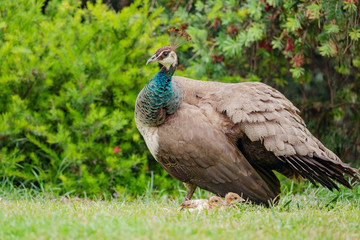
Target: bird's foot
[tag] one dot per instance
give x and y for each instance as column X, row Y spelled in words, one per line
column 190, row 190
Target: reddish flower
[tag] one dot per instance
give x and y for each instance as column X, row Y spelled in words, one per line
column 217, row 59
column 299, row 30
column 264, row 44
column 351, row 1
column 117, row 149
column 289, row 47
column 232, row 29
column 268, row 7
column 147, row 169
column 184, row 26
column 274, row 15
column 298, row 59
column 216, row 23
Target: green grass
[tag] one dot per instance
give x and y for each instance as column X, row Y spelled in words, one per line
column 315, row 213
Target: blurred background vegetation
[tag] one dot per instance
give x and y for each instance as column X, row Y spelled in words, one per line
column 70, row 71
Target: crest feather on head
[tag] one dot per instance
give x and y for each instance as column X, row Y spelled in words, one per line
column 178, row 37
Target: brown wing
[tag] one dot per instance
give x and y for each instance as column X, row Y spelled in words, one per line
column 192, row 150
column 266, row 116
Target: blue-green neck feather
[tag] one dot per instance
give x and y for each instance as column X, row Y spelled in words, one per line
column 161, row 85
column 159, row 98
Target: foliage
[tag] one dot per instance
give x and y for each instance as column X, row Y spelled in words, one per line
column 69, row 82
column 70, row 72
column 309, row 50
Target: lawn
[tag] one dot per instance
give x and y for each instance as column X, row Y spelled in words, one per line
column 315, row 213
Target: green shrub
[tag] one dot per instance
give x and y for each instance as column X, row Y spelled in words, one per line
column 69, row 80
column 309, row 50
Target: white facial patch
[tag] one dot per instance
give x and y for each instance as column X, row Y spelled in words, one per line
column 170, row 60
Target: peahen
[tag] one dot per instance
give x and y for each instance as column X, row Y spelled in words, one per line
column 226, row 137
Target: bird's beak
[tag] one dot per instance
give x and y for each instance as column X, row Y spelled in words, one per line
column 152, row 59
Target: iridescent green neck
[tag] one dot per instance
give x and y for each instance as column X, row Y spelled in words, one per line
column 163, row 77
column 159, row 98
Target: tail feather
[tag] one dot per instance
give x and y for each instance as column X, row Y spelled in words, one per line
column 319, row 174
column 335, row 173
column 323, row 171
column 303, row 172
column 341, row 168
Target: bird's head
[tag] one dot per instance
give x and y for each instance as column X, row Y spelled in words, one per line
column 166, row 56
column 233, row 198
column 216, row 201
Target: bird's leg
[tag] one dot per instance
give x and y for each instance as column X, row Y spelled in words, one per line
column 190, row 190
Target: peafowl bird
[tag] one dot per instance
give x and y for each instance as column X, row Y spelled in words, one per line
column 230, row 137
column 213, row 203
column 231, row 199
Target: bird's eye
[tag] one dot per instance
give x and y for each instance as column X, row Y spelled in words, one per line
column 166, row 54
column 235, row 197
column 216, row 200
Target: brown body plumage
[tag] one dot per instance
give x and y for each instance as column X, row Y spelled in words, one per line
column 230, row 137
